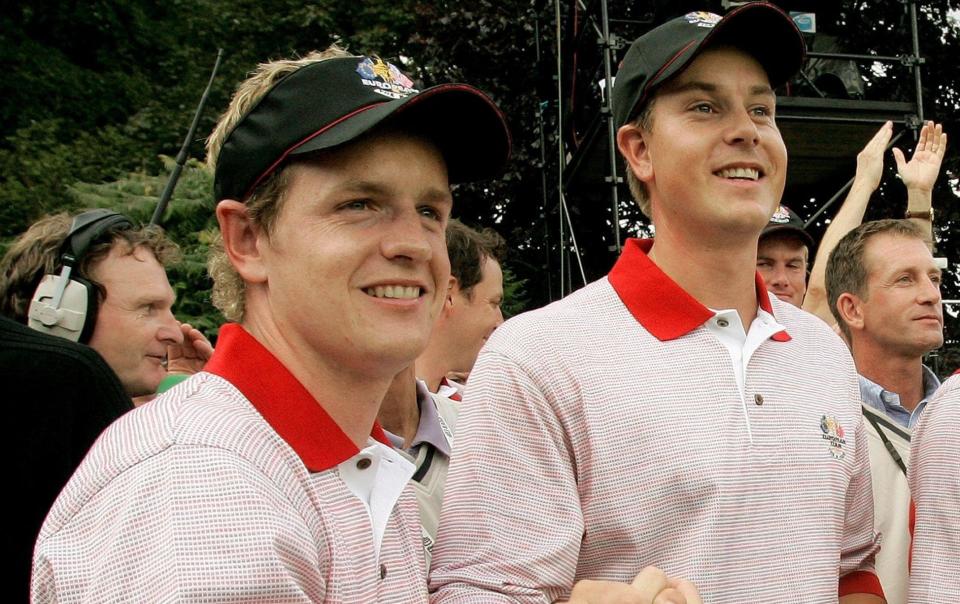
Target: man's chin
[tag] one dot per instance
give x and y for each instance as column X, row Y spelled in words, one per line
column 784, row 297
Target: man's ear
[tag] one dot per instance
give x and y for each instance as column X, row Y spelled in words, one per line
column 241, row 240
column 850, row 308
column 453, row 288
column 633, row 146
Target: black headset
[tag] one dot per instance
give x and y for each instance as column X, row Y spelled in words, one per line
column 65, row 305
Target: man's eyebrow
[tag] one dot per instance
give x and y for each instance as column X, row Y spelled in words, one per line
column 692, row 85
column 373, row 188
column 362, row 186
column 701, row 86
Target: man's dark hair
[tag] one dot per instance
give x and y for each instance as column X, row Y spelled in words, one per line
column 846, row 272
column 37, row 253
column 468, row 249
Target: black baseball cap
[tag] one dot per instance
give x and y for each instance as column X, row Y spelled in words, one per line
column 760, row 29
column 334, row 101
column 785, row 220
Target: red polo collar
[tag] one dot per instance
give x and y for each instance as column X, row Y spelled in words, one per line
column 282, row 400
column 655, row 300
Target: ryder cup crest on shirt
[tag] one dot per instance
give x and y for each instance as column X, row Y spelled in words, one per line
column 833, row 433
column 385, row 78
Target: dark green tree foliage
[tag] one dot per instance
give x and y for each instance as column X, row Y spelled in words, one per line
column 884, row 28
column 189, row 221
column 98, row 91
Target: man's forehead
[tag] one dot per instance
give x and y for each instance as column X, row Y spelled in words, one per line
column 711, row 85
column 781, row 241
column 699, row 77
column 880, row 258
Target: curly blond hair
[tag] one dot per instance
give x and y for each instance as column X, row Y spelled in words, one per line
column 266, row 201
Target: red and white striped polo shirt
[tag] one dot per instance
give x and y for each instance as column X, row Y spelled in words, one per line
column 235, row 485
column 607, row 432
column 934, row 475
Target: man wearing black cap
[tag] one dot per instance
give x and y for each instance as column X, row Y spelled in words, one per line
column 782, row 256
column 672, row 413
column 265, row 477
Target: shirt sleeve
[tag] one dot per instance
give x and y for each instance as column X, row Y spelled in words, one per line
column 935, row 485
column 859, row 543
column 511, row 523
column 191, row 523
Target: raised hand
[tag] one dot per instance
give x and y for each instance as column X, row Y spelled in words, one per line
column 191, row 355
column 921, row 172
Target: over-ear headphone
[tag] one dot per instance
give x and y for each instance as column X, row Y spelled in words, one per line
column 65, row 305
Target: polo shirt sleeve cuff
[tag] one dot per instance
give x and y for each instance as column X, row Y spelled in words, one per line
column 860, row 582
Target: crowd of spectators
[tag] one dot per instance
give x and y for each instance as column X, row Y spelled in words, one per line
column 716, row 420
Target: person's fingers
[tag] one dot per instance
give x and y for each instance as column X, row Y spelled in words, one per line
column 879, row 141
column 670, row 596
column 900, row 159
column 649, row 582
column 690, row 593
column 941, row 146
column 202, row 346
column 924, row 135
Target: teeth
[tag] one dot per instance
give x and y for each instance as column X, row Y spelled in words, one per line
column 394, row 291
column 748, row 173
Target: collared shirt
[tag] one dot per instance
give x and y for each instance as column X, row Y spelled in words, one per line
column 728, row 329
column 608, row 431
column 889, row 402
column 431, row 429
column 236, row 485
column 430, row 453
column 935, row 486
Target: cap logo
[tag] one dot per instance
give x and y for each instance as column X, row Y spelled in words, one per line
column 385, row 78
column 702, row 18
column 781, row 216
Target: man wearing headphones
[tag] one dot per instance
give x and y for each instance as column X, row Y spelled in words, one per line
column 97, row 279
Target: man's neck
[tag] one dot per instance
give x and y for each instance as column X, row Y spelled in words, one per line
column 400, row 413
column 717, row 277
column 350, row 395
column 429, row 368
column 901, row 375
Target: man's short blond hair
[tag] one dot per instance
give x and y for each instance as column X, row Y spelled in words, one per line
column 266, row 201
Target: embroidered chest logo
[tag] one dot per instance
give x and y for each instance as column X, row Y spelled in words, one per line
column 781, row 216
column 385, row 78
column 833, row 433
